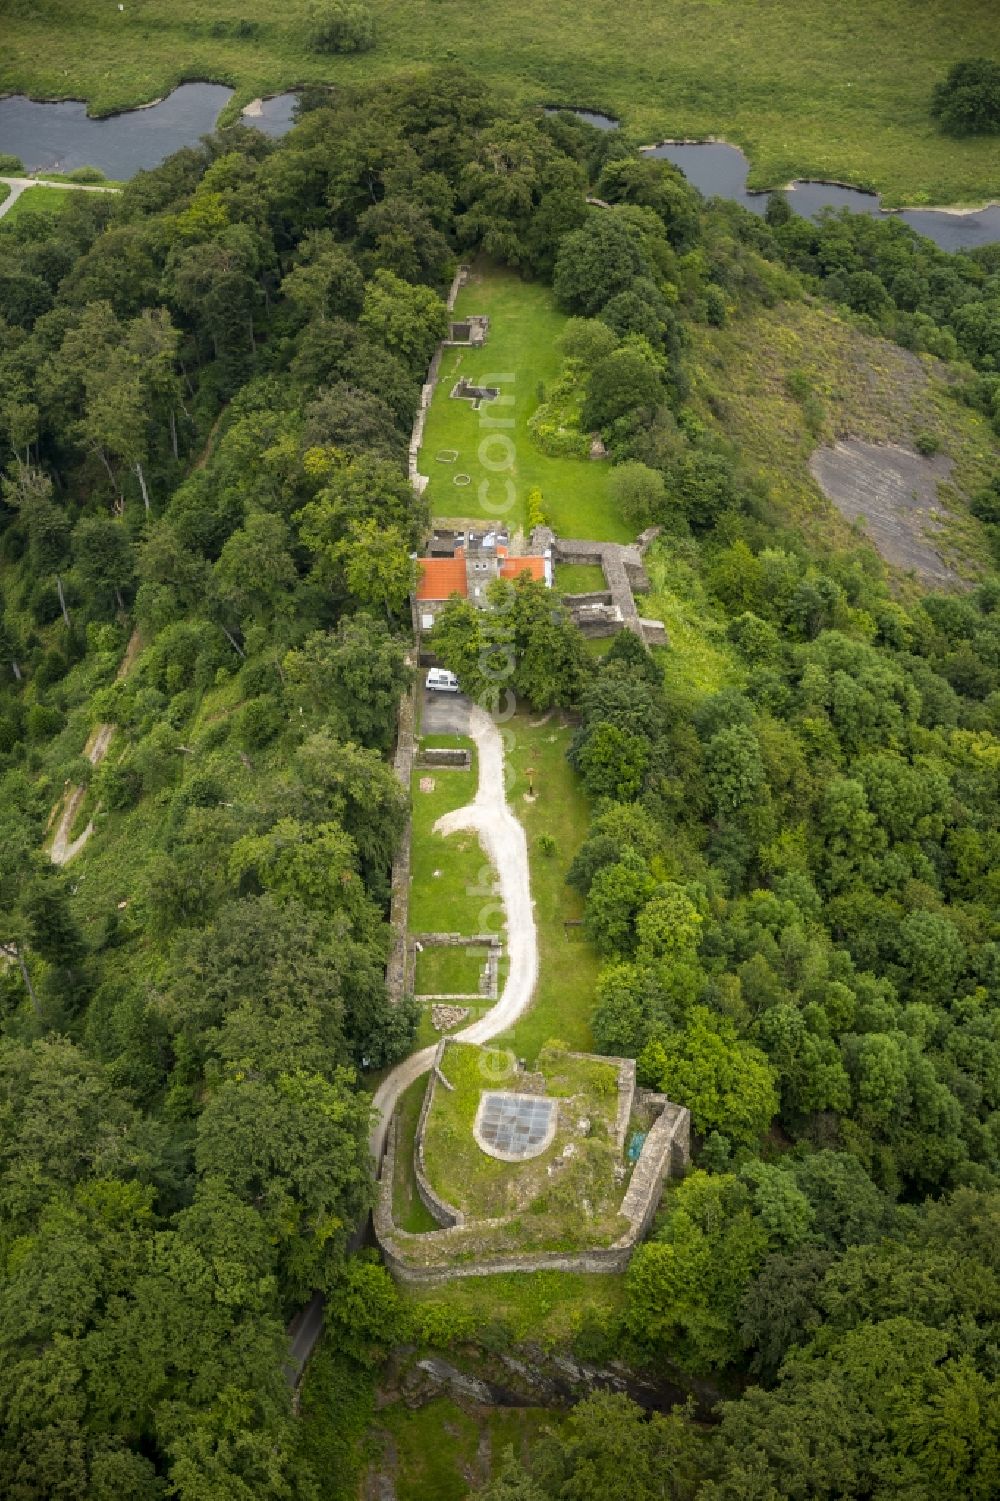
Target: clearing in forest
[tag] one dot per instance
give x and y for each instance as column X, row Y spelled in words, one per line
column 790, row 380
column 476, row 447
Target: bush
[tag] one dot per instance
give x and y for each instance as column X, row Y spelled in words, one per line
column 536, row 516
column 555, row 439
column 118, row 787
column 43, row 722
column 928, row 444
column 86, row 174
column 341, row 26
column 546, row 844
column 638, row 492
column 259, row 721
column 968, row 101
column 10, row 166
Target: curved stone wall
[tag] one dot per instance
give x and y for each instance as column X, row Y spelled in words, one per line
column 665, row 1153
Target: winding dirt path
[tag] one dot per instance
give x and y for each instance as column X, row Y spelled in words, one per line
column 503, row 839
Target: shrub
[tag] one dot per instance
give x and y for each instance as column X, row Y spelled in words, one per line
column 928, row 444
column 118, row 787
column 86, row 174
column 536, row 516
column 341, row 26
column 259, row 721
column 638, row 492
column 10, row 166
column 554, row 439
column 43, row 722
column 546, row 844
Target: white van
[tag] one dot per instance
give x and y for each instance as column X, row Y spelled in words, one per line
column 439, row 681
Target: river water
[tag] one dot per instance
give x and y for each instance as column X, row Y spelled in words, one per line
column 59, row 137
column 721, row 171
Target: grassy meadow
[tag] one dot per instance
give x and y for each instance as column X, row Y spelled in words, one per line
column 810, row 88
column 36, row 201
column 520, row 356
column 430, row 1453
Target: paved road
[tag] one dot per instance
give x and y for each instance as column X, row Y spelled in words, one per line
column 19, row 185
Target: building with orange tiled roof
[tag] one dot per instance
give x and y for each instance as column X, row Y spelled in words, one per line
column 468, row 568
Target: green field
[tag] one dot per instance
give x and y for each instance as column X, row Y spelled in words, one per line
column 525, row 327
column 408, row 1208
column 547, row 796
column 810, row 88
column 579, row 578
column 449, row 971
column 36, row 200
column 556, row 805
column 452, row 879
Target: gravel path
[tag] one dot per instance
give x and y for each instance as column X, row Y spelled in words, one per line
column 502, row 837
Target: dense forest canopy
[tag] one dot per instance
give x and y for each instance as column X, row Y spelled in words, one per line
column 206, row 393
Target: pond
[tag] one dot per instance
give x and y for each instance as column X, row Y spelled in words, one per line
column 58, row 137
column 721, row 171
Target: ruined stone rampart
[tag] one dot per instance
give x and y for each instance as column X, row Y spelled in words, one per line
column 399, row 903
column 665, row 1152
column 446, row 1214
column 417, row 480
column 607, row 611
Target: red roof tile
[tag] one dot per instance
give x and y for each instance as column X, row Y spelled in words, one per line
column 440, row 578
column 512, row 568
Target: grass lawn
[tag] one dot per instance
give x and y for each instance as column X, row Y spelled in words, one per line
column 408, row 1209
column 546, row 1307
column 459, row 900
column 520, row 355
column 811, row 88
column 579, row 578
column 559, row 806
column 544, row 1191
column 452, row 881
column 449, row 971
column 36, row 200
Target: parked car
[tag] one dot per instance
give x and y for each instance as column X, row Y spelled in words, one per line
column 440, row 681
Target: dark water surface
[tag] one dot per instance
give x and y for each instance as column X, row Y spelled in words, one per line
column 59, row 137
column 721, row 171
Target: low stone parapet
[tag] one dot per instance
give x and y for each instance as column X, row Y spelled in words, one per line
column 442, row 755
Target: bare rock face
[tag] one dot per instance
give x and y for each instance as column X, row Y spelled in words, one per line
column 893, row 493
